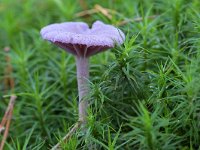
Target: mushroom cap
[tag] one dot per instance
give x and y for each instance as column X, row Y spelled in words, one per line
column 78, row 39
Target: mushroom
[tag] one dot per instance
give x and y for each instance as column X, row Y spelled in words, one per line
column 78, row 39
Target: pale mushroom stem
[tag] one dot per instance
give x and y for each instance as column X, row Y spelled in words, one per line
column 82, row 65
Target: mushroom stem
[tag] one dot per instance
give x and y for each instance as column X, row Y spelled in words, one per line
column 82, row 64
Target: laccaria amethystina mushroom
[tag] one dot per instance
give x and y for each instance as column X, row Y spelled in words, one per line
column 80, row 40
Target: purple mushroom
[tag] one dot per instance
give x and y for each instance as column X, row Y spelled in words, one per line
column 80, row 40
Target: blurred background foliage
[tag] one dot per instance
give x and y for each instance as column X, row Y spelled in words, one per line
column 144, row 94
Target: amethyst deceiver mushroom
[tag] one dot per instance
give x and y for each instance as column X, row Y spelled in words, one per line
column 80, row 40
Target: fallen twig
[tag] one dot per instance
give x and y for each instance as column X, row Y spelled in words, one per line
column 9, row 83
column 103, row 10
column 138, row 19
column 97, row 8
column 109, row 12
column 7, row 119
column 86, row 12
